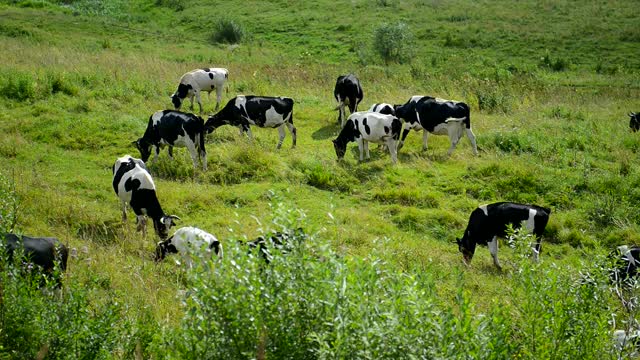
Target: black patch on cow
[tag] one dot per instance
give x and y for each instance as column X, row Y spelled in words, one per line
column 386, row 129
column 124, row 168
column 367, row 129
column 211, row 76
column 207, row 70
column 183, row 90
column 131, row 184
column 254, row 109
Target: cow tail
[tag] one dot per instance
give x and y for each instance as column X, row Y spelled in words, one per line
column 467, row 120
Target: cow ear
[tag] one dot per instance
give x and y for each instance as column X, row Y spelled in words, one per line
column 174, row 217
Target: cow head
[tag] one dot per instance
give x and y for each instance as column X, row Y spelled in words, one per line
column 177, row 102
column 467, row 248
column 634, row 121
column 163, row 248
column 339, row 148
column 164, row 224
column 214, row 122
column 144, row 147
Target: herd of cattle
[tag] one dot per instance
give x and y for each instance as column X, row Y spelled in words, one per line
column 383, row 123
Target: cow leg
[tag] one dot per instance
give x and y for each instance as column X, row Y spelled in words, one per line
column 218, row 96
column 425, row 133
column 199, row 101
column 366, row 149
column 191, row 98
column 249, row 133
column 391, row 145
column 155, row 157
column 472, row 138
column 201, row 150
column 341, row 115
column 493, row 249
column 294, row 133
column 170, row 151
column 193, row 152
column 361, row 148
column 453, row 138
column 141, row 220
column 282, row 135
column 405, row 132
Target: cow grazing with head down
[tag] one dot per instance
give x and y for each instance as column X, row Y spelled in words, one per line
column 436, row 116
column 174, row 128
column 45, row 252
column 133, row 184
column 364, row 127
column 189, row 242
column 488, row 222
column 625, row 263
column 195, row 81
column 347, row 92
column 263, row 111
column 634, row 121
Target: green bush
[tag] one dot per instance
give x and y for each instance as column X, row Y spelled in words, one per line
column 18, row 86
column 392, row 42
column 227, row 31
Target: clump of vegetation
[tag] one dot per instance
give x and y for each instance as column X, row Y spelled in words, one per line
column 392, row 42
column 177, row 5
column 557, row 64
column 18, row 86
column 227, row 31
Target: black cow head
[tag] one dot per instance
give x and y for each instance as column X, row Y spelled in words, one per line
column 164, row 248
column 339, row 148
column 164, row 224
column 214, row 122
column 467, row 248
column 177, row 102
column 634, row 121
column 144, row 147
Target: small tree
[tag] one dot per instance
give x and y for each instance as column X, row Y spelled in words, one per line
column 391, row 42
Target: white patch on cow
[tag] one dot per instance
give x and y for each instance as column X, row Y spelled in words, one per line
column 376, row 123
column 241, row 102
column 416, row 98
column 273, row 118
column 530, row 224
column 192, row 243
column 484, row 209
column 441, row 129
column 137, row 173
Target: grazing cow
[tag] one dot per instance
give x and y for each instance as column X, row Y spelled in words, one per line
column 283, row 241
column 488, row 222
column 193, row 82
column 263, row 111
column 134, row 185
column 634, row 121
column 436, row 116
column 383, row 108
column 174, row 128
column 364, row 127
column 625, row 262
column 43, row 252
column 189, row 241
column 347, row 92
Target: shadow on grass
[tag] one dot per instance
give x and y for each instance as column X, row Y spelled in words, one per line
column 326, row 132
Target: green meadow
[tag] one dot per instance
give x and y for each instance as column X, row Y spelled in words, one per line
column 549, row 84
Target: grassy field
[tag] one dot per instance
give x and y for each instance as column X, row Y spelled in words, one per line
column 549, row 84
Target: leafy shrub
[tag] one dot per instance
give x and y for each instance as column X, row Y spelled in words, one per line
column 511, row 143
column 318, row 175
column 493, row 98
column 559, row 64
column 18, row 86
column 227, row 31
column 177, row 5
column 392, row 42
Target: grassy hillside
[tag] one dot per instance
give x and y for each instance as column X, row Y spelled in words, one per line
column 549, row 85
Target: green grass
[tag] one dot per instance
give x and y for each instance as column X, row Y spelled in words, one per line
column 549, row 85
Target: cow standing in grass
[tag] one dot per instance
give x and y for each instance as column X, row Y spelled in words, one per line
column 364, row 127
column 436, row 116
column 634, row 121
column 263, row 111
column 174, row 128
column 196, row 81
column 45, row 252
column 488, row 222
column 133, row 185
column 347, row 92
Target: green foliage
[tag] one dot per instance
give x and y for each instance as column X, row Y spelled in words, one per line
column 18, row 86
column 9, row 204
column 555, row 64
column 392, row 42
column 511, row 142
column 177, row 5
column 227, row 31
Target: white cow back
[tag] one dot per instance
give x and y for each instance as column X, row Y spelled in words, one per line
column 200, row 78
column 193, row 241
column 379, row 125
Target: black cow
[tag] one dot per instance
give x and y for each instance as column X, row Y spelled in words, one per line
column 282, row 241
column 625, row 262
column 436, row 116
column 43, row 252
column 263, row 111
column 133, row 184
column 347, row 92
column 634, row 121
column 174, row 128
column 488, row 222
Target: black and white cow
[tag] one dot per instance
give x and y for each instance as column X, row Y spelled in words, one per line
column 133, row 184
column 436, row 116
column 189, row 242
column 195, row 81
column 347, row 92
column 383, row 108
column 43, row 252
column 634, row 121
column 625, row 261
column 174, row 128
column 488, row 222
column 282, row 241
column 364, row 127
column 263, row 111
